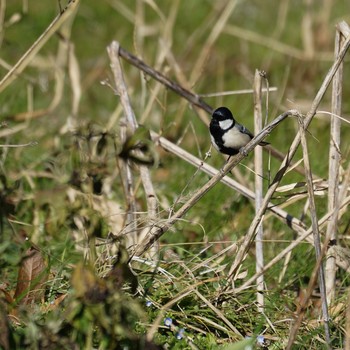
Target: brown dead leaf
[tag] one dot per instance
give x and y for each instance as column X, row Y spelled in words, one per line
column 6, row 295
column 32, row 275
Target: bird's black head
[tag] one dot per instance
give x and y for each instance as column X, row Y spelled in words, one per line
column 222, row 113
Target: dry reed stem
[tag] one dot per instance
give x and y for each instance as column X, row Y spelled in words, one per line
column 166, row 42
column 188, row 95
column 163, row 53
column 249, row 237
column 258, row 168
column 124, row 166
column 334, row 164
column 315, row 228
column 343, row 28
column 161, row 228
column 113, row 50
column 237, row 92
column 23, row 62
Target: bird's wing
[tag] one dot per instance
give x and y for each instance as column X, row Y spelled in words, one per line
column 244, row 130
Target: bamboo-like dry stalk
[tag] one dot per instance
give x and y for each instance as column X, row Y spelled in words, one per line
column 126, row 173
column 113, row 52
column 258, row 167
column 334, row 164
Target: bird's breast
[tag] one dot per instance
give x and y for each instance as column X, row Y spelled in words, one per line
column 233, row 138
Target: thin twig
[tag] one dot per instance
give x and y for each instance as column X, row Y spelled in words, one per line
column 315, row 228
column 237, row 92
column 113, row 51
column 334, row 164
column 188, row 95
column 258, row 167
column 343, row 28
column 32, row 143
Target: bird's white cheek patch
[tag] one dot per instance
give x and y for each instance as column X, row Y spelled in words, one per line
column 235, row 139
column 225, row 124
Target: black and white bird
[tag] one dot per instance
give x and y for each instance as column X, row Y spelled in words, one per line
column 228, row 136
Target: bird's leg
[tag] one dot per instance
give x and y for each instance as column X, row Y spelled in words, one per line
column 226, row 161
column 208, row 154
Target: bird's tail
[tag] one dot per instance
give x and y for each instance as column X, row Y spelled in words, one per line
column 263, row 143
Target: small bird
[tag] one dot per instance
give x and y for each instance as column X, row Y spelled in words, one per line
column 228, row 136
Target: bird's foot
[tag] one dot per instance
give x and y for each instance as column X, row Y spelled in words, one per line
column 208, row 154
column 243, row 151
